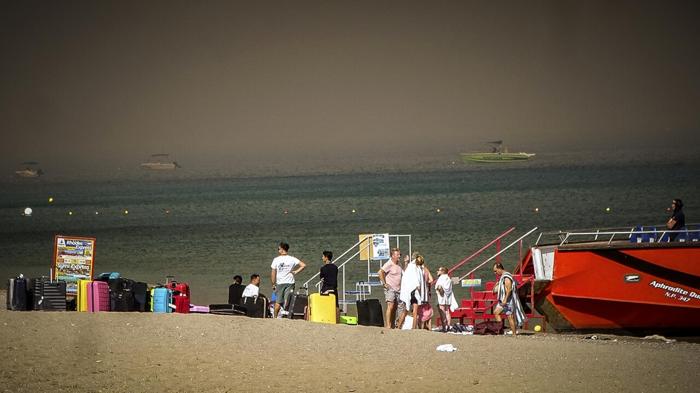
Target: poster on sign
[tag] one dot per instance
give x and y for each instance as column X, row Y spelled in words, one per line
column 380, row 246
column 73, row 259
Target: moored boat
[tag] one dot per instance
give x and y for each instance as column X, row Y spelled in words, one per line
column 633, row 280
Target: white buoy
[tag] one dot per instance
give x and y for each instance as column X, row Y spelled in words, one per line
column 28, row 211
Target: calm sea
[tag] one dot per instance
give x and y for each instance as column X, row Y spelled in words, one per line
column 205, row 230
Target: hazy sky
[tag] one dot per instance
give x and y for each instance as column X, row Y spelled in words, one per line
column 116, row 81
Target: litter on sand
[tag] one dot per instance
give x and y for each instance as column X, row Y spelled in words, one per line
column 446, row 348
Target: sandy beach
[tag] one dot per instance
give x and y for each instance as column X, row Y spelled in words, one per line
column 134, row 352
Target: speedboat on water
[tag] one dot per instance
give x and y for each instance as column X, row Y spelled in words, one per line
column 498, row 153
column 630, row 280
column 31, row 170
column 160, row 162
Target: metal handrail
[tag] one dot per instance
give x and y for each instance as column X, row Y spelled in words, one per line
column 474, row 255
column 516, row 241
column 306, row 283
column 630, row 233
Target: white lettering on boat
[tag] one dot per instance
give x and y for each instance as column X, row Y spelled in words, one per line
column 677, row 293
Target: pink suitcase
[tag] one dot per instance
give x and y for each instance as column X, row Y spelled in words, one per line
column 98, row 296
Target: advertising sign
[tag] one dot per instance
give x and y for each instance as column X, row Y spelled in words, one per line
column 73, row 259
column 380, row 246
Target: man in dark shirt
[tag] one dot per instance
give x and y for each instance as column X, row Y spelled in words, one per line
column 677, row 219
column 329, row 276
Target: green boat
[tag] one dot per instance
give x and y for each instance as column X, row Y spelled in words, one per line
column 498, row 153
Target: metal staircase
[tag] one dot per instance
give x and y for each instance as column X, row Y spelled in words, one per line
column 359, row 254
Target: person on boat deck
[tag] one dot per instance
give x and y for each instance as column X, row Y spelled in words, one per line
column 508, row 302
column 390, row 277
column 677, row 219
column 282, row 275
column 329, row 278
column 252, row 289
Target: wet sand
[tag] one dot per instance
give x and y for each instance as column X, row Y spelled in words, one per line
column 133, row 352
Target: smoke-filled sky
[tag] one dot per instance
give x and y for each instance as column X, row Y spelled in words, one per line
column 114, row 81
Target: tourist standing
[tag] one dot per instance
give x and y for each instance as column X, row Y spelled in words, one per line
column 390, row 277
column 443, row 288
column 284, row 268
column 508, row 301
column 329, row 278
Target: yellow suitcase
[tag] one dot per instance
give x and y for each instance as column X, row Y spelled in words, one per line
column 322, row 308
column 82, row 301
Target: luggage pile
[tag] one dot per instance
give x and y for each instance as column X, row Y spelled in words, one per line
column 107, row 292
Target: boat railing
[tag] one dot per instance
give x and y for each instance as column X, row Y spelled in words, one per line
column 638, row 234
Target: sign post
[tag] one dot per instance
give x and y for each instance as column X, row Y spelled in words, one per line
column 73, row 260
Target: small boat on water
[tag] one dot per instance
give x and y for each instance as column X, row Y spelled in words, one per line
column 160, row 162
column 498, row 153
column 31, row 170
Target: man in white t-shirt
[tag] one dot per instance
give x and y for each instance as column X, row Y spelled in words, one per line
column 284, row 268
column 252, row 289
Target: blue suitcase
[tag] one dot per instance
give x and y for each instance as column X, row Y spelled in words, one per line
column 162, row 297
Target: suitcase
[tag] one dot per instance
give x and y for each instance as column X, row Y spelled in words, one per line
column 141, row 296
column 369, row 313
column 298, row 302
column 121, row 295
column 235, row 292
column 49, row 295
column 227, row 309
column 182, row 304
column 255, row 307
column 322, row 308
column 162, row 297
column 17, row 296
column 83, row 296
column 98, row 296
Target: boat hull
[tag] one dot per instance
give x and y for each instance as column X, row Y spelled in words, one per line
column 651, row 287
column 495, row 157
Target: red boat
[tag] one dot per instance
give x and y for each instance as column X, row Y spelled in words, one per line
column 622, row 280
column 626, row 282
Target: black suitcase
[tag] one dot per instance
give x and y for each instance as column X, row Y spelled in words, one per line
column 369, row 313
column 121, row 295
column 235, row 292
column 49, row 295
column 142, row 297
column 298, row 303
column 227, row 309
column 255, row 307
column 17, row 297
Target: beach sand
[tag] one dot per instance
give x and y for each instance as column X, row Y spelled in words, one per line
column 143, row 352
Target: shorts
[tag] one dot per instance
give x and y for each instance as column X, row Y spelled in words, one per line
column 504, row 309
column 282, row 292
column 413, row 298
column 391, row 295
